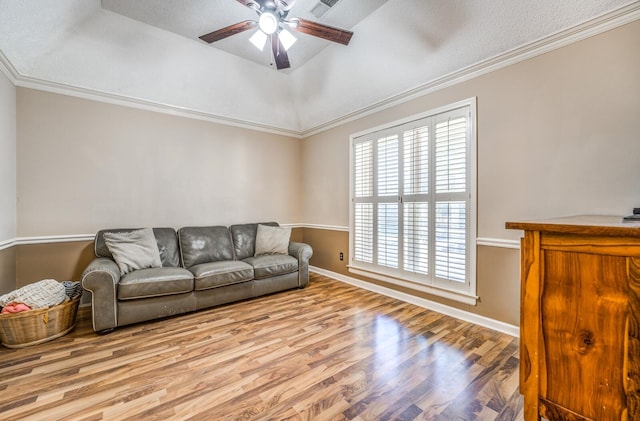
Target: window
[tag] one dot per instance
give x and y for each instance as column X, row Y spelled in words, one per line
column 413, row 202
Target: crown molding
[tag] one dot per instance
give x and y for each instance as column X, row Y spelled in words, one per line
column 142, row 104
column 6, row 67
column 23, row 81
column 605, row 22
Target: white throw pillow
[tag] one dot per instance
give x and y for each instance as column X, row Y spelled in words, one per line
column 134, row 249
column 272, row 240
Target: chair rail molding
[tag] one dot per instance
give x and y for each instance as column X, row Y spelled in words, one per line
column 325, row 227
column 498, row 242
column 46, row 239
column 5, row 244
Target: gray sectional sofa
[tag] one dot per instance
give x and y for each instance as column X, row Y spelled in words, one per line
column 201, row 267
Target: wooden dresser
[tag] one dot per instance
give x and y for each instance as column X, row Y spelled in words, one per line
column 580, row 318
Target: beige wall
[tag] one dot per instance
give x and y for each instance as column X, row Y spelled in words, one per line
column 8, row 195
column 85, row 165
column 497, row 267
column 557, row 135
column 61, row 261
column 7, row 159
column 7, row 270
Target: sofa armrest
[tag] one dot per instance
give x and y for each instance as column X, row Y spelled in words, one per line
column 303, row 253
column 101, row 278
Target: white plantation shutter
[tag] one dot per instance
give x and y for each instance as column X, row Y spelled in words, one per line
column 387, row 234
column 364, row 232
column 415, row 199
column 412, row 200
column 451, row 250
column 451, row 197
column 387, row 180
column 416, row 161
column 451, row 155
column 363, row 212
column 364, row 169
column 416, row 237
column 387, row 170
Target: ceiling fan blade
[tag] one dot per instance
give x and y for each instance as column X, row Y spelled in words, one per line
column 236, row 28
column 330, row 33
column 279, row 53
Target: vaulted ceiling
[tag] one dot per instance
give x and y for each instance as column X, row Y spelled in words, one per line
column 147, row 52
column 193, row 18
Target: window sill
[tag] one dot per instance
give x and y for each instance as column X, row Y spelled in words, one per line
column 458, row 296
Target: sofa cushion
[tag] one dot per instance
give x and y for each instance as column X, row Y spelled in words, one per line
column 217, row 274
column 272, row 240
column 133, row 250
column 154, row 282
column 166, row 240
column 205, row 245
column 244, row 238
column 272, row 265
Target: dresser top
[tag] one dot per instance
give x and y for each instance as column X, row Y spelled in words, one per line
column 581, row 224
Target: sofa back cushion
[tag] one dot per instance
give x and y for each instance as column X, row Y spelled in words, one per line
column 205, row 245
column 244, row 238
column 166, row 239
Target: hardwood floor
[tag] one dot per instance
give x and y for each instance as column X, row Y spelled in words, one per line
column 327, row 352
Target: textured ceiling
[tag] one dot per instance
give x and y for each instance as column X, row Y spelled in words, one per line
column 192, row 18
column 397, row 47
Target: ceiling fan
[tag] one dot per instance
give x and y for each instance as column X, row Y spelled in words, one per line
column 272, row 24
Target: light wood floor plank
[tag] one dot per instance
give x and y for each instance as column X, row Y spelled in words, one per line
column 330, row 351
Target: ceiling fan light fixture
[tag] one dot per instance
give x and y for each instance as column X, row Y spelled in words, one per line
column 272, row 21
column 259, row 39
column 287, row 39
column 268, row 23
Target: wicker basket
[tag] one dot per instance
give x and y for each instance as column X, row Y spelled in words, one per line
column 36, row 326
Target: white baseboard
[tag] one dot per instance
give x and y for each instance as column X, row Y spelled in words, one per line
column 421, row 302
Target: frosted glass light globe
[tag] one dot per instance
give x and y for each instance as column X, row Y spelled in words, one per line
column 268, row 22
